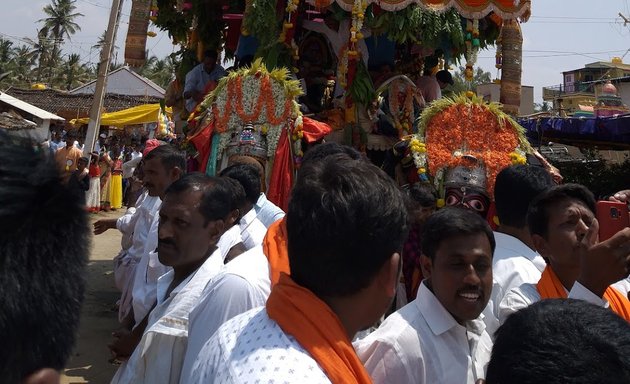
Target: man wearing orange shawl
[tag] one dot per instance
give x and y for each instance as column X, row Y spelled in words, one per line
column 346, row 224
column 564, row 231
column 275, row 242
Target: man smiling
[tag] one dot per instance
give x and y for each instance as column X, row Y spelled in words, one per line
column 440, row 336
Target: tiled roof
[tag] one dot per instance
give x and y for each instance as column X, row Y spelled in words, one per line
column 13, row 121
column 72, row 106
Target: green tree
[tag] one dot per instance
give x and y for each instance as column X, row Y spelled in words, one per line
column 75, row 72
column 6, row 54
column 479, row 77
column 60, row 22
column 40, row 51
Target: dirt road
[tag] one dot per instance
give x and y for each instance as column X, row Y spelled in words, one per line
column 89, row 363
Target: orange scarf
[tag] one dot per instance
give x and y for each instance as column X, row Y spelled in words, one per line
column 275, row 248
column 550, row 287
column 317, row 328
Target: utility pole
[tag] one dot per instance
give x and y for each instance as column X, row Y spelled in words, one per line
column 101, row 80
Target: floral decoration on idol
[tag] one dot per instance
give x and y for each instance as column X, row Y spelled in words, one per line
column 466, row 131
column 260, row 99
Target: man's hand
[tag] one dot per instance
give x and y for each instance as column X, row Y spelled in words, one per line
column 605, row 263
column 103, row 225
column 124, row 343
column 621, row 196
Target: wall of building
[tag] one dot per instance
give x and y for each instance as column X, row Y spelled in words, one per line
column 492, row 92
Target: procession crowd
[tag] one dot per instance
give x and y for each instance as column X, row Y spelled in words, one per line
column 358, row 282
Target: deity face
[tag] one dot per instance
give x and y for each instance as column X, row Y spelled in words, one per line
column 469, row 197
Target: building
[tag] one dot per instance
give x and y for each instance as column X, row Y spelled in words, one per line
column 18, row 115
column 582, row 87
column 492, row 92
column 74, row 106
column 123, row 81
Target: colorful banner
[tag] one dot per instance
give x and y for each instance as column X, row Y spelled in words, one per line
column 136, row 42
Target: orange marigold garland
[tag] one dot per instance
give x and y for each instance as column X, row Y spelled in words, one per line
column 454, row 128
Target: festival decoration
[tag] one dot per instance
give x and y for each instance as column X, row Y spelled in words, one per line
column 472, row 48
column 470, row 133
column 262, row 100
column 512, row 61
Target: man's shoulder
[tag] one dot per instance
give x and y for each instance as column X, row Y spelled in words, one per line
column 264, row 351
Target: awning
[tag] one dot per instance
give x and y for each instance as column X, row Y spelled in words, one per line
column 471, row 9
column 142, row 114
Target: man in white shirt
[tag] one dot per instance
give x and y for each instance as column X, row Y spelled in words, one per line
column 440, row 337
column 243, row 284
column 346, row 224
column 564, row 230
column 192, row 219
column 561, row 341
column 266, row 211
column 161, row 167
column 427, row 83
column 515, row 261
column 252, row 230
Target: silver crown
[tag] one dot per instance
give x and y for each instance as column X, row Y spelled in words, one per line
column 468, row 176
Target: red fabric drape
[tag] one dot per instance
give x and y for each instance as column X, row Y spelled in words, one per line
column 282, row 173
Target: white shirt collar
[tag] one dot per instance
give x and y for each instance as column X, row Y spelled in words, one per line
column 513, row 244
column 438, row 318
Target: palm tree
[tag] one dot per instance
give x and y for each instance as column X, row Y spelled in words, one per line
column 21, row 65
column 6, row 53
column 60, row 23
column 76, row 73
column 41, row 51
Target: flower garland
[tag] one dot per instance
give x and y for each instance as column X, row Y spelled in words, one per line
column 265, row 99
column 455, row 129
column 472, row 48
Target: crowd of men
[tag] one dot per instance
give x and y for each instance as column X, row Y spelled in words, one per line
column 220, row 286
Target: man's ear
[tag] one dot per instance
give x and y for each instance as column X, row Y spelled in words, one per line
column 389, row 275
column 426, row 264
column 216, row 229
column 541, row 245
column 176, row 173
column 43, row 376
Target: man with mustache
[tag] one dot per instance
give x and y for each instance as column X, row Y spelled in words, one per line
column 440, row 337
column 161, row 167
column 194, row 215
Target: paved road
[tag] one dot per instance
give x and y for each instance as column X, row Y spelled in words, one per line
column 89, row 363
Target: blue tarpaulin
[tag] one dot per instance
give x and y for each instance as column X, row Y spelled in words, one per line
column 603, row 132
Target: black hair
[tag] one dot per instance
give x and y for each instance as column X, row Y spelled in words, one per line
column 345, row 219
column 210, row 53
column 515, row 188
column 44, row 249
column 321, row 151
column 248, row 176
column 561, row 341
column 421, row 194
column 538, row 213
column 238, row 195
column 449, row 222
column 216, row 198
column 169, row 156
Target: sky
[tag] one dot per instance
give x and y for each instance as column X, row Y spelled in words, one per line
column 561, row 35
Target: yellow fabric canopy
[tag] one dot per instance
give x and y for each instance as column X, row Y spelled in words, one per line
column 141, row 114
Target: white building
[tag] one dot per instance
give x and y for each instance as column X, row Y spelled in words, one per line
column 123, row 81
